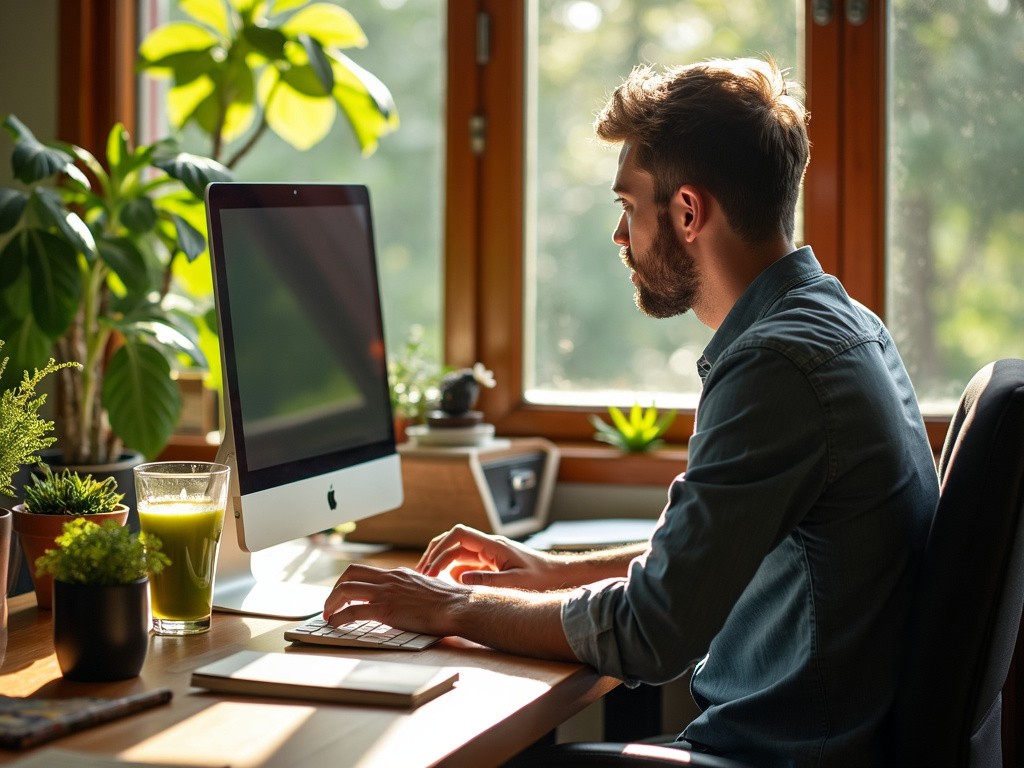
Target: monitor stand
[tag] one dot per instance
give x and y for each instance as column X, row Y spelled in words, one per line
column 265, row 583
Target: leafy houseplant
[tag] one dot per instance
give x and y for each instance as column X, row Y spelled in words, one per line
column 101, row 598
column 86, row 274
column 241, row 67
column 101, row 555
column 640, row 431
column 23, row 431
column 51, row 501
column 414, row 378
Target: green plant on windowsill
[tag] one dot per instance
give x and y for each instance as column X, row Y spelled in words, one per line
column 87, row 273
column 23, row 432
column 101, row 555
column 414, row 377
column 640, row 431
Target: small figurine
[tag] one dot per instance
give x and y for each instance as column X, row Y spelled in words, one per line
column 459, row 392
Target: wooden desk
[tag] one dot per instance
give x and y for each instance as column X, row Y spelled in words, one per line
column 502, row 704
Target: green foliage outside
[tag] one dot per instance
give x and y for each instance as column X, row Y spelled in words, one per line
column 102, row 555
column 23, row 432
column 69, row 493
column 640, row 431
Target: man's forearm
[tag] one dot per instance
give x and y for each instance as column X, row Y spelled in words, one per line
column 599, row 564
column 527, row 623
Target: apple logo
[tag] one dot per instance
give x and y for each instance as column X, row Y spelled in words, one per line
column 331, row 501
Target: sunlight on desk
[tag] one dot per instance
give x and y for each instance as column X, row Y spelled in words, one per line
column 228, row 733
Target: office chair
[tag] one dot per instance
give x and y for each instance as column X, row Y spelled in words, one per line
column 948, row 708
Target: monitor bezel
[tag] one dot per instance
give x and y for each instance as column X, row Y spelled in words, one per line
column 258, row 195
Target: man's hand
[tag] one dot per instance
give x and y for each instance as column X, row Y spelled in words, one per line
column 510, row 620
column 399, row 597
column 480, row 559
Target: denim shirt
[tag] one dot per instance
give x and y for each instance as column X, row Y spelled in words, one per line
column 784, row 559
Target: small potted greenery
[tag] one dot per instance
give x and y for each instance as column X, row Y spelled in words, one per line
column 24, row 433
column 641, row 431
column 53, row 499
column 101, row 598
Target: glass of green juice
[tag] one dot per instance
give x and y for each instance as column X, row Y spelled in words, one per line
column 182, row 503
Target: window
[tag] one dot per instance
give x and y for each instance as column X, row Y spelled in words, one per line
column 951, row 141
column 955, row 181
column 913, row 197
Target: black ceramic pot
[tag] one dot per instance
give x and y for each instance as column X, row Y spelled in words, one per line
column 101, row 633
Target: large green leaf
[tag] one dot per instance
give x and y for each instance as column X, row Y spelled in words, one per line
column 299, row 119
column 56, row 280
column 25, row 346
column 123, row 257
column 139, row 215
column 366, row 102
column 212, row 13
column 191, row 241
column 266, row 41
column 12, row 206
column 182, row 337
column 174, row 38
column 194, row 172
column 333, row 26
column 12, row 261
column 141, row 399
column 50, row 211
column 319, row 62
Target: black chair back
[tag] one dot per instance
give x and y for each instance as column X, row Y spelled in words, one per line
column 948, row 709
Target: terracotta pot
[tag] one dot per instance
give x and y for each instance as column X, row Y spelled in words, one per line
column 101, row 633
column 37, row 533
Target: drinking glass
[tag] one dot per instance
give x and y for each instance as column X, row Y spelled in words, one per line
column 183, row 504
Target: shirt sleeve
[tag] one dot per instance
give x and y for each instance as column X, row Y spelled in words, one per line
column 757, row 461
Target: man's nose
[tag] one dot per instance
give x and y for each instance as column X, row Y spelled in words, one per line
column 620, row 235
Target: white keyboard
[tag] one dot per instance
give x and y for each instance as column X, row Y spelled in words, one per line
column 358, row 634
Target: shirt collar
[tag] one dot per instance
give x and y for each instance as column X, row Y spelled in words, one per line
column 757, row 299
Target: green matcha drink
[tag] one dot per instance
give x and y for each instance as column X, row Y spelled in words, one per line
column 189, row 530
column 182, row 503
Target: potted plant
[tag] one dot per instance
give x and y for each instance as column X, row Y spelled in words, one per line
column 51, row 501
column 23, row 434
column 101, row 598
column 641, row 431
column 414, row 379
column 89, row 253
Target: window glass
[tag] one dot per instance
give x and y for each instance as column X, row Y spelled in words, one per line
column 584, row 341
column 955, row 189
column 404, row 175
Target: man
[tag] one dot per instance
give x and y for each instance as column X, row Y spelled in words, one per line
column 783, row 563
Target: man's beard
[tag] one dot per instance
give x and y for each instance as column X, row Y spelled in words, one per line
column 668, row 283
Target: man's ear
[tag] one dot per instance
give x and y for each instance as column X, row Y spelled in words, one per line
column 688, row 209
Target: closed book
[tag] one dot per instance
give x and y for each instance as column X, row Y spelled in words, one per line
column 320, row 677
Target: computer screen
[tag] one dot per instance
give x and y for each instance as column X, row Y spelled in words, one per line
column 309, row 433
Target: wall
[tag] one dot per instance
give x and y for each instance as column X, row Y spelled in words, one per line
column 28, row 71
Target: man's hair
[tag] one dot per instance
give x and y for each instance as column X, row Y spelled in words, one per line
column 730, row 127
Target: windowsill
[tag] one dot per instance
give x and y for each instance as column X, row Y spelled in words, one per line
column 594, row 463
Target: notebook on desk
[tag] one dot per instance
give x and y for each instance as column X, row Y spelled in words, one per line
column 319, row 677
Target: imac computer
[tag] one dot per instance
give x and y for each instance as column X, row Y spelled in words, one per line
column 308, row 431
